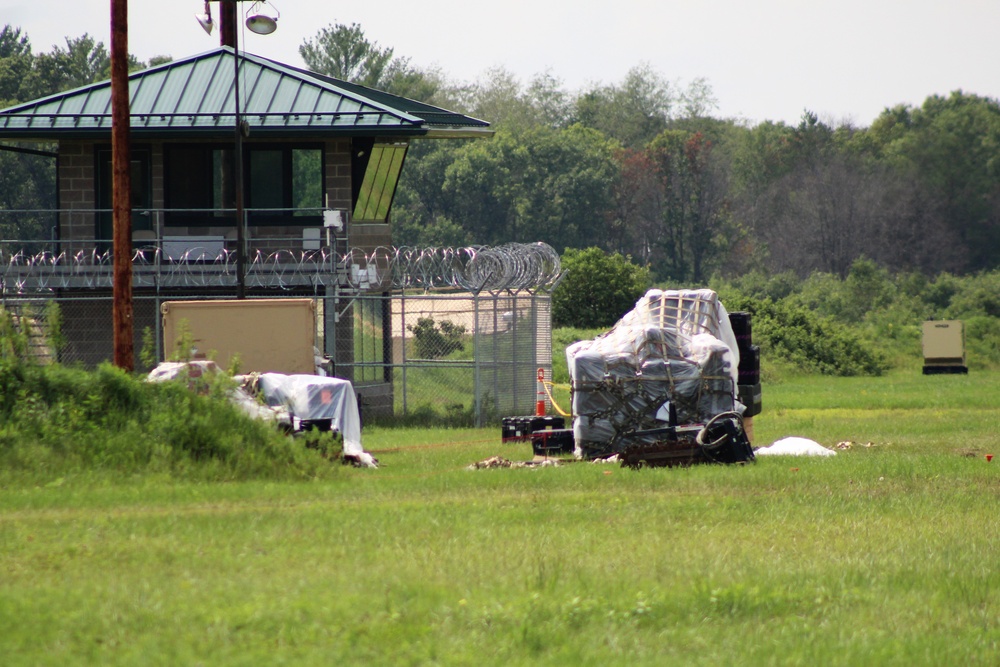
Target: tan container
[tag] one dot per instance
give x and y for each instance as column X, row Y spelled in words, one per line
column 269, row 335
column 944, row 346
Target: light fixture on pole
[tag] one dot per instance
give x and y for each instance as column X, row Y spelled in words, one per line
column 205, row 19
column 261, row 23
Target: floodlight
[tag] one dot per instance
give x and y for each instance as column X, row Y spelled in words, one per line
column 261, row 23
column 205, row 19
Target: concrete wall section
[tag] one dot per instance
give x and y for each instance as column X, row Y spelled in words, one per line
column 76, row 190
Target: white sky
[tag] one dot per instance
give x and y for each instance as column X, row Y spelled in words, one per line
column 764, row 59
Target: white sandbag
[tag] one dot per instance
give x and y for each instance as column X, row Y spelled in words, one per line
column 794, row 446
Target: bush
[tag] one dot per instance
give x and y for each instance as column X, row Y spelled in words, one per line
column 975, row 296
column 882, row 313
column 597, row 290
column 800, row 337
column 434, row 340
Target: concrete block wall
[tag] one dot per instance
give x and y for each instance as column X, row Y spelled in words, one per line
column 337, row 179
column 76, row 191
column 369, row 236
column 376, row 400
column 157, row 177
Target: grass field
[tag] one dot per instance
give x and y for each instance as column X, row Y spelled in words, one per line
column 882, row 555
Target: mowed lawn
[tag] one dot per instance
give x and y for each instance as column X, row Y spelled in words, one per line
column 886, row 554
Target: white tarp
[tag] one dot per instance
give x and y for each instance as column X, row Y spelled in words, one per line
column 312, row 397
column 195, row 369
column 290, row 399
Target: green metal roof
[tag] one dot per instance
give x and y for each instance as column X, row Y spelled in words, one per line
column 194, row 97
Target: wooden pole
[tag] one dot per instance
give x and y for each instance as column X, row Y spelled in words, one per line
column 228, row 16
column 121, row 178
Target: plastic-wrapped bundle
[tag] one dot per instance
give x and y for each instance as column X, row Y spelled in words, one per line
column 674, row 347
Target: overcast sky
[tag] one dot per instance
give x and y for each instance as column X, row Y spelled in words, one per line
column 764, row 59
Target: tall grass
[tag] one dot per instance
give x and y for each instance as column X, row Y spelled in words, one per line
column 67, row 421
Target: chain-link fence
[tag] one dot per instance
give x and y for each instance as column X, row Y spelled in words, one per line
column 433, row 334
column 465, row 357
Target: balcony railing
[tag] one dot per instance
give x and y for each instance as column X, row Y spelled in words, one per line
column 202, row 253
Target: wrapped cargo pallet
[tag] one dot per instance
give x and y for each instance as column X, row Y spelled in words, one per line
column 673, row 360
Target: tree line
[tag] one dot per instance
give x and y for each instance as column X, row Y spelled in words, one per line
column 641, row 167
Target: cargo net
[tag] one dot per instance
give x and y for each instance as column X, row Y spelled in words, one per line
column 671, row 359
column 510, row 267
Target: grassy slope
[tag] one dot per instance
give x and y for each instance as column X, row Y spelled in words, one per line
column 881, row 555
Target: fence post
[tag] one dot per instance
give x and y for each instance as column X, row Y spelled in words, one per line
column 476, row 353
column 496, row 355
column 402, row 327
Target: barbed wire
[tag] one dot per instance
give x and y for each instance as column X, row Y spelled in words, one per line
column 510, row 267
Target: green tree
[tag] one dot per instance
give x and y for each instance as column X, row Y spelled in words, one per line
column 15, row 64
column 597, row 290
column 761, row 156
column 642, row 106
column 159, row 60
column 552, row 104
column 343, row 52
column 818, row 197
column 499, row 97
column 632, row 112
column 952, row 144
column 694, row 225
column 434, row 340
column 421, row 204
column 83, row 61
column 538, row 185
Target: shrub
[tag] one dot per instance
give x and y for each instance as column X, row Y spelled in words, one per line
column 867, row 287
column 597, row 290
column 760, row 285
column 806, row 340
column 975, row 296
column 434, row 340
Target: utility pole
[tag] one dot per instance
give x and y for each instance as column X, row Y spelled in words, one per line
column 121, row 198
column 228, row 16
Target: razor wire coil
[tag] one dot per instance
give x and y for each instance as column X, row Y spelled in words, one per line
column 509, row 267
